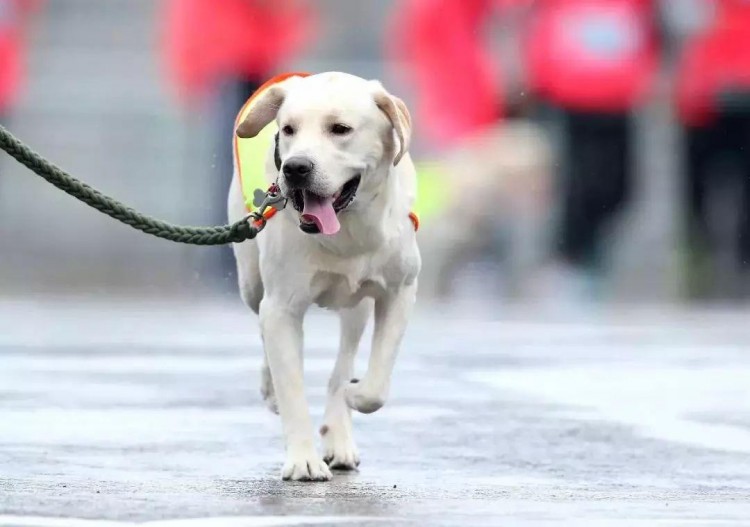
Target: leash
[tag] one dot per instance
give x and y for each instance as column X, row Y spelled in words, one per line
column 245, row 229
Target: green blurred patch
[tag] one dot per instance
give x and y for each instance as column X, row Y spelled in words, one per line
column 434, row 189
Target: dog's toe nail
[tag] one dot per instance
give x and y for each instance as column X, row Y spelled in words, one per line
column 323, row 430
column 344, row 466
column 354, row 381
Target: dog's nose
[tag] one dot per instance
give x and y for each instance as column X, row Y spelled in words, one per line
column 297, row 169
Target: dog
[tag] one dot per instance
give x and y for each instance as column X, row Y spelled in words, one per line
column 500, row 213
column 344, row 242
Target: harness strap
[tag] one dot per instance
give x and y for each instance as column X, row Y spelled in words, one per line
column 414, row 220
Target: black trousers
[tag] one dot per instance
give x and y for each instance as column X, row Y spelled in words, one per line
column 595, row 184
column 717, row 188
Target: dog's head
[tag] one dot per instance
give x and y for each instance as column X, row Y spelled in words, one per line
column 337, row 132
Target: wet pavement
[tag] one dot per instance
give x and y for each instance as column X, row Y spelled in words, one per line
column 149, row 413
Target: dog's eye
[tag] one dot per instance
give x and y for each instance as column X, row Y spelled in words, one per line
column 288, row 130
column 340, row 129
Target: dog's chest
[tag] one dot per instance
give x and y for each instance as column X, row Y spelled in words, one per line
column 337, row 291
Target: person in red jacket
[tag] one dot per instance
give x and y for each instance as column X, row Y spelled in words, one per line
column 220, row 52
column 592, row 61
column 713, row 101
column 217, row 53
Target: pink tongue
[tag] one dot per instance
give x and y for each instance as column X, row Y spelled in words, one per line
column 320, row 210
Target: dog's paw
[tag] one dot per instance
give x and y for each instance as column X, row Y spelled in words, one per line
column 339, row 450
column 362, row 397
column 305, row 465
column 267, row 391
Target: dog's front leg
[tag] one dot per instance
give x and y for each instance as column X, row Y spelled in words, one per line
column 339, row 448
column 391, row 316
column 282, row 337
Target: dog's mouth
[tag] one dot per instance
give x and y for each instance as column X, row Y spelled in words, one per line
column 318, row 213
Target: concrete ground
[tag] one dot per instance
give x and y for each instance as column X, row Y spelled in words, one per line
column 113, row 414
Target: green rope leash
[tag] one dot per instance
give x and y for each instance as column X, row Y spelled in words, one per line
column 220, row 235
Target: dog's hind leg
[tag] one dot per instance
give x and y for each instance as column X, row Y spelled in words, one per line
column 266, row 387
column 247, row 255
column 339, row 449
column 251, row 292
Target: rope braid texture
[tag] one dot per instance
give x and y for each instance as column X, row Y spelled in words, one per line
column 219, row 235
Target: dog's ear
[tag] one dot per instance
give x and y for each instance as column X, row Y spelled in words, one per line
column 397, row 113
column 262, row 111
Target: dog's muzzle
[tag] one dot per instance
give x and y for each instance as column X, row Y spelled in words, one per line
column 318, row 214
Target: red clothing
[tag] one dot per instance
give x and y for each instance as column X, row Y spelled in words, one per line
column 715, row 60
column 10, row 68
column 457, row 80
column 592, row 55
column 12, row 48
column 205, row 40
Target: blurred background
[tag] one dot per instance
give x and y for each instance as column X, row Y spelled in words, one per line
column 580, row 350
column 570, row 152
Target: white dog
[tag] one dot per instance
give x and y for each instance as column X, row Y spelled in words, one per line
column 344, row 242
